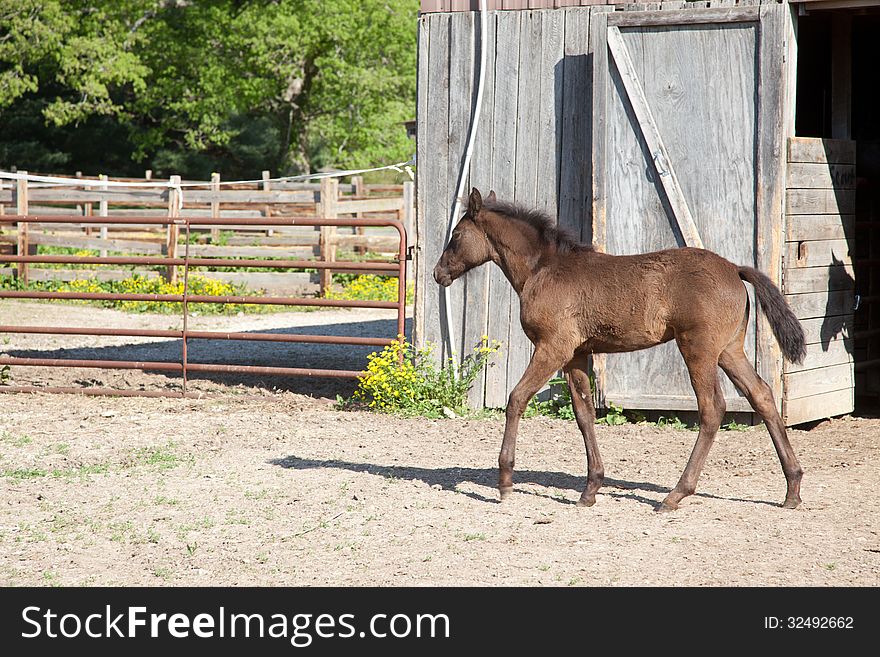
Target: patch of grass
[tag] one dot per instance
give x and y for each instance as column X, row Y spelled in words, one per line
column 51, row 578
column 163, row 573
column 735, row 426
column 120, row 531
column 201, row 524
column 672, row 422
column 45, row 249
column 559, row 404
column 30, row 533
column 22, row 474
column 163, row 457
column 479, row 536
column 15, row 441
column 170, row 501
column 613, row 416
column 62, row 522
column 235, row 517
column 81, row 471
column 59, row 448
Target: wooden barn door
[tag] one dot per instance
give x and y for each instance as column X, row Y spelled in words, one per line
column 687, row 139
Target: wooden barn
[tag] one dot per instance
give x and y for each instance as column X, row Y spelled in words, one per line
column 742, row 125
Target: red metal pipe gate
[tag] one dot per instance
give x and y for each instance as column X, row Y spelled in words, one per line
column 397, row 268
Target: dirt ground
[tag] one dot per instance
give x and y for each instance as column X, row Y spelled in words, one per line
column 275, row 487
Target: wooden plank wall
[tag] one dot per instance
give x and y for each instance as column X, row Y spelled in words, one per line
column 818, row 278
column 533, row 135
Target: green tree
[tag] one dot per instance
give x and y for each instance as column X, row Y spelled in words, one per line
column 290, row 86
column 79, row 56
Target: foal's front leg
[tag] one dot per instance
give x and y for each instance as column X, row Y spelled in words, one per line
column 545, row 362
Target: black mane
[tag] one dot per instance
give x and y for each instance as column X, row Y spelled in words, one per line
column 550, row 233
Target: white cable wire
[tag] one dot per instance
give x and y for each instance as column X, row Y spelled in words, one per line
column 463, row 174
column 402, row 167
column 58, row 181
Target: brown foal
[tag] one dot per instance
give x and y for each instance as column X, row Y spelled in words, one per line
column 569, row 309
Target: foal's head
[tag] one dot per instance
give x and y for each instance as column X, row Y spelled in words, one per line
column 468, row 247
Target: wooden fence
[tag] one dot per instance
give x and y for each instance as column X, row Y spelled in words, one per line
column 247, row 201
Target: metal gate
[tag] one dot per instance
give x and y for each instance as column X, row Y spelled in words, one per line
column 184, row 367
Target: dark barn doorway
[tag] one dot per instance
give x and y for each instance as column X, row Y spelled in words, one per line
column 837, row 77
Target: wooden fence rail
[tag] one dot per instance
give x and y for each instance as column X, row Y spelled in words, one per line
column 328, row 199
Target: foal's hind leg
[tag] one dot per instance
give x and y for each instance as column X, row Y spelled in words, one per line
column 737, row 366
column 585, row 412
column 545, row 361
column 702, row 364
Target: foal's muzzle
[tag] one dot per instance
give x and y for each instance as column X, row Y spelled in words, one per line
column 441, row 275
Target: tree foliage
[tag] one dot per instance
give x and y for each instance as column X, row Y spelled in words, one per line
column 200, row 85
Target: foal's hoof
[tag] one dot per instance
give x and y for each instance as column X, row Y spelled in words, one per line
column 505, row 492
column 791, row 503
column 666, row 507
column 586, row 501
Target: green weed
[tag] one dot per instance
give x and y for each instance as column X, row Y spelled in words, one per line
column 402, row 379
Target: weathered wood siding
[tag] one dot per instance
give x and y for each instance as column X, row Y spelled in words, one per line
column 532, row 147
column 818, row 279
column 491, row 5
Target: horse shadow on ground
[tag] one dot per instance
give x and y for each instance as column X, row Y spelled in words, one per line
column 243, row 352
column 451, row 479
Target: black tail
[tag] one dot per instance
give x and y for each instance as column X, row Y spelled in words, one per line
column 786, row 327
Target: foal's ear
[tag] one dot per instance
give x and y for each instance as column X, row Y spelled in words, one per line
column 475, row 202
column 491, row 198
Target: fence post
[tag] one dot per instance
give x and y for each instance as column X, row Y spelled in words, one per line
column 215, row 206
column 359, row 191
column 86, row 208
column 102, row 212
column 267, row 209
column 79, row 208
column 21, row 207
column 327, row 240
column 173, row 228
column 406, row 216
